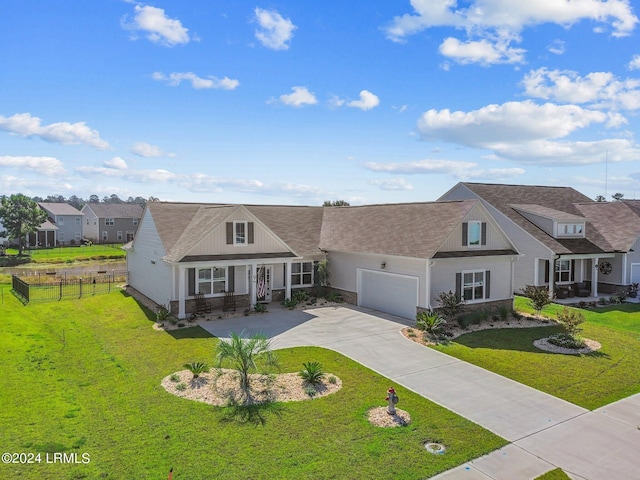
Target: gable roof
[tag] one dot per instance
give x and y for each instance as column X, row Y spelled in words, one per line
column 59, row 208
column 405, row 229
column 182, row 225
column 617, row 221
column 562, row 199
column 115, row 210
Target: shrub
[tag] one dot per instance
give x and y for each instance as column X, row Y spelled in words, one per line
column 565, row 340
column 310, row 390
column 175, row 378
column 538, row 297
column 451, row 305
column 260, row 308
column 430, row 322
column 334, row 297
column 332, row 380
column 312, row 373
column 289, row 303
column 504, row 313
column 465, row 320
column 300, row 296
column 181, row 387
column 162, row 313
column 196, row 368
column 602, row 301
column 571, row 319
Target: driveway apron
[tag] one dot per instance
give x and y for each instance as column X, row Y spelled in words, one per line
column 546, row 431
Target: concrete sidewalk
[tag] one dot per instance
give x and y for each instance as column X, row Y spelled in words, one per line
column 546, row 431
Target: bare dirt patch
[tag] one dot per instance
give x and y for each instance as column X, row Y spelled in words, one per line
column 217, row 386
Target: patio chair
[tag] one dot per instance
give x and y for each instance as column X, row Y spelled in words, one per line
column 229, row 301
column 581, row 289
column 202, row 305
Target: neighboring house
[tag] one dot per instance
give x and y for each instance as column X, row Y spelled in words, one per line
column 4, row 241
column 560, row 233
column 619, row 224
column 64, row 226
column 394, row 258
column 110, row 222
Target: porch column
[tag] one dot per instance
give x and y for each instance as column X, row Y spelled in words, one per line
column 181, row 292
column 594, row 277
column 552, row 276
column 287, row 279
column 252, row 283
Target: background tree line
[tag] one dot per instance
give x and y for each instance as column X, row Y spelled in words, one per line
column 79, row 202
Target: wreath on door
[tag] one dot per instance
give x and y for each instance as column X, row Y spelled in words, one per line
column 605, row 268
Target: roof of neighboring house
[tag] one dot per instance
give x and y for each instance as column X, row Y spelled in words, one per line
column 405, row 229
column 617, row 221
column 182, row 225
column 547, row 212
column 47, row 225
column 559, row 199
column 115, row 210
column 633, row 205
column 59, row 208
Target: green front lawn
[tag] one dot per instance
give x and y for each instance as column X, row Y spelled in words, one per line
column 83, row 376
column 590, row 381
column 64, row 254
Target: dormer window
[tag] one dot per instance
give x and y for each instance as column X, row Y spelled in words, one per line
column 571, row 230
column 240, row 236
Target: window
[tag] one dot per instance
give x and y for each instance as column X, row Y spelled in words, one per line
column 119, row 235
column 135, row 222
column 87, row 221
column 301, row 273
column 240, row 233
column 563, row 271
column 108, row 221
column 570, row 229
column 78, row 236
column 105, row 235
column 474, row 234
column 61, row 236
column 212, row 280
column 77, row 220
column 473, row 285
column 60, row 221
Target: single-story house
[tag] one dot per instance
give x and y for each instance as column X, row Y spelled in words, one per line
column 393, row 258
column 565, row 238
column 110, row 222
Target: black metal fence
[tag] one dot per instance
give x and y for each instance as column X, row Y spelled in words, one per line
column 48, row 287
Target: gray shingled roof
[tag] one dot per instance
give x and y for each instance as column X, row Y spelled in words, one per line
column 617, row 221
column 546, row 212
column 563, row 199
column 59, row 208
column 407, row 229
column 182, row 225
column 116, row 210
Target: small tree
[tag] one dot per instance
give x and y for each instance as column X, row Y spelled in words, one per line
column 312, row 373
column 538, row 297
column 451, row 305
column 246, row 356
column 196, row 368
column 571, row 319
column 20, row 216
column 430, row 322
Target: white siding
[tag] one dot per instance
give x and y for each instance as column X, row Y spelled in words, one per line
column 343, row 267
column 496, row 240
column 443, row 275
column 529, row 248
column 147, row 272
column 216, row 241
column 633, row 257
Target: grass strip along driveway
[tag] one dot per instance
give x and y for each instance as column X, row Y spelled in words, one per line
column 589, row 381
column 83, row 377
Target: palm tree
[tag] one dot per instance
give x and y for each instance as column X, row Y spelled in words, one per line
column 246, row 356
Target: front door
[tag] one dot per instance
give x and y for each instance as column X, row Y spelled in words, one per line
column 263, row 283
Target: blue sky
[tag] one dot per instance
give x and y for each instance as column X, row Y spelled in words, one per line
column 294, row 102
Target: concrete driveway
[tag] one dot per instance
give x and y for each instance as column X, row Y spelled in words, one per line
column 546, row 431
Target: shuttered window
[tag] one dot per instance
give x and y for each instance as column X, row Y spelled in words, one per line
column 473, row 285
column 240, row 233
column 474, row 234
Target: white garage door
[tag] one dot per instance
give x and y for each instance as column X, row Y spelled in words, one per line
column 388, row 292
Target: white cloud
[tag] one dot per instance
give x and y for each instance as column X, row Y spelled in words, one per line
column 512, row 17
column 117, row 163
column 367, row 101
column 601, row 89
column 459, row 170
column 510, row 122
column 393, row 184
column 48, row 166
column 174, row 79
column 300, row 96
column 25, row 125
column 483, row 51
column 147, row 150
column 557, row 47
column 492, row 25
column 158, row 27
column 634, row 64
column 275, row 31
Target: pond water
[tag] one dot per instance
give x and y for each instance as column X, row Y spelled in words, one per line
column 83, row 269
